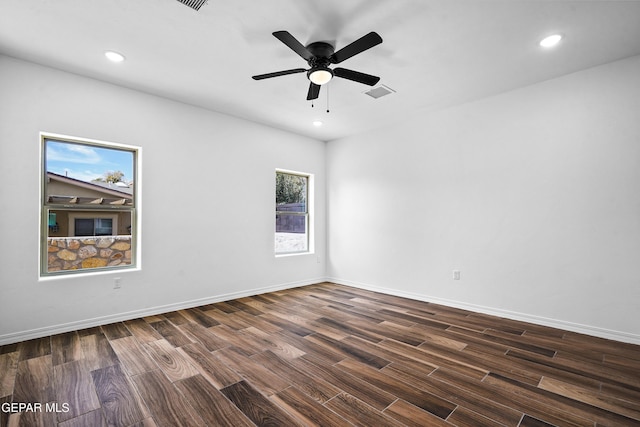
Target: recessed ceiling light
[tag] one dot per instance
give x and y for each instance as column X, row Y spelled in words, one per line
column 114, row 56
column 317, row 123
column 551, row 41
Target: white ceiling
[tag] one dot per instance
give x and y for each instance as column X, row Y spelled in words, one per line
column 435, row 54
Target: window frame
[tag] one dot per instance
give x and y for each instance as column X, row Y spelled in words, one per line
column 111, row 211
column 308, row 214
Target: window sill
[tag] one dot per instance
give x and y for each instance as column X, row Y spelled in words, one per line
column 79, row 275
column 293, row 254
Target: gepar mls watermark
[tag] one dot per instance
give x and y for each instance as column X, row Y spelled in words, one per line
column 15, row 407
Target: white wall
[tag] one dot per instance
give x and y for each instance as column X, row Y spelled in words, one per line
column 534, row 195
column 207, row 202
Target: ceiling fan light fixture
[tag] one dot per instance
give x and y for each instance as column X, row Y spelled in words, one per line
column 320, row 75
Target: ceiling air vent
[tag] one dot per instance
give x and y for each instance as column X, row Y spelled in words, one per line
column 380, row 91
column 194, row 4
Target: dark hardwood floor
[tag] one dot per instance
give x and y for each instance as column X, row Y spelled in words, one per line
column 324, row 355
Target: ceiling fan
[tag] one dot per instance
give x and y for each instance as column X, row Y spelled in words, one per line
column 319, row 55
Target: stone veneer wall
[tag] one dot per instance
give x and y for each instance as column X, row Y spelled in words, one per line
column 74, row 253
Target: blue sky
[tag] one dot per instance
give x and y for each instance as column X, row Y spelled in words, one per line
column 87, row 162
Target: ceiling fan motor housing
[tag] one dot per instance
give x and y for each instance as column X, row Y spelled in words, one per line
column 321, row 52
column 320, row 73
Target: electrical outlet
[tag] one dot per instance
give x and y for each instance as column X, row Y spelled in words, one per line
column 456, row 274
column 117, row 283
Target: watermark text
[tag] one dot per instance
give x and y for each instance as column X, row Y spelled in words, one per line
column 15, row 407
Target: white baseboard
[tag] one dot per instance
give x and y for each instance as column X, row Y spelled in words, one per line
column 120, row 317
column 135, row 314
column 538, row 320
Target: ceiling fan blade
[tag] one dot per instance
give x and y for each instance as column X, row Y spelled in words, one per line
column 363, row 43
column 278, row 73
column 356, row 76
column 314, row 91
column 293, row 44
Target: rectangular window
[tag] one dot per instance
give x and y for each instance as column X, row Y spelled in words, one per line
column 89, row 205
column 292, row 213
column 93, row 227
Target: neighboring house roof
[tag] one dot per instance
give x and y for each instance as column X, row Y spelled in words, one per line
column 118, row 186
column 100, row 192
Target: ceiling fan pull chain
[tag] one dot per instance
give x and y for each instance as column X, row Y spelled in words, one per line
column 327, row 99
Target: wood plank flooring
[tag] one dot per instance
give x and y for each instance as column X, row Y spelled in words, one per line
column 325, row 355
